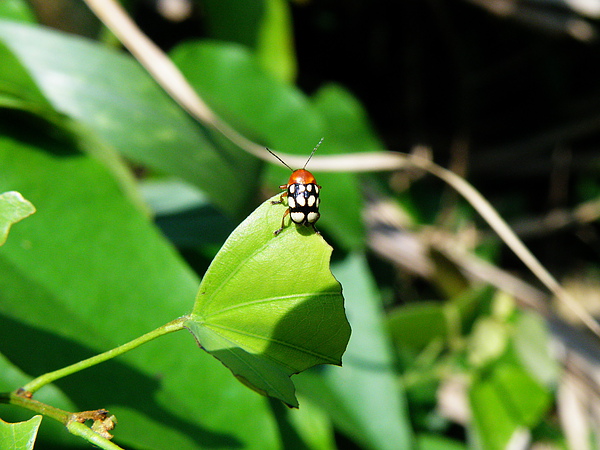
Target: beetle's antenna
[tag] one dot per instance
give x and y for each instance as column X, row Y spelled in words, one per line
column 282, row 161
column 313, row 152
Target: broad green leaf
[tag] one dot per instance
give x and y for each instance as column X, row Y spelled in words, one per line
column 113, row 96
column 89, row 272
column 13, row 208
column 19, row 91
column 365, row 398
column 346, row 120
column 19, row 436
column 268, row 306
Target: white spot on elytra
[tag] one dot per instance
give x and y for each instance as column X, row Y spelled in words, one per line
column 291, row 202
column 316, row 189
column 301, row 200
column 311, row 200
column 298, row 217
column 300, row 188
column 313, row 217
column 292, row 188
column 309, row 187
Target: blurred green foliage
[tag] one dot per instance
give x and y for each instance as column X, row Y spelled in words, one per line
column 133, row 198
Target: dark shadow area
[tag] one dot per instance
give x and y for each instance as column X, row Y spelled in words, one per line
column 205, row 225
column 35, row 130
column 291, row 439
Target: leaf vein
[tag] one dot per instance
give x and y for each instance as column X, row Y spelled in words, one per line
column 271, row 340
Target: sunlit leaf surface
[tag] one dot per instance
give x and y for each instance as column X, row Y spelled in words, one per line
column 19, row 436
column 269, row 307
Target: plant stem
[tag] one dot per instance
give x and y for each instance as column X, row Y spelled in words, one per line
column 49, row 377
column 33, row 405
column 79, row 429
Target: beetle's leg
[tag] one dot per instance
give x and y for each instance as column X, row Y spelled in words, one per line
column 276, row 232
column 315, row 228
column 284, row 194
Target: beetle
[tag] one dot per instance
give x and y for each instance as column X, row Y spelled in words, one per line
column 302, row 192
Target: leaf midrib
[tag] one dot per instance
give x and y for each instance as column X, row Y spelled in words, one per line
column 269, row 300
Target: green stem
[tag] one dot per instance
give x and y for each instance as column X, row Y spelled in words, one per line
column 68, row 419
column 49, row 377
column 33, row 405
column 79, row 429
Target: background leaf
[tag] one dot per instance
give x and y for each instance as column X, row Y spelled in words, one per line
column 114, row 97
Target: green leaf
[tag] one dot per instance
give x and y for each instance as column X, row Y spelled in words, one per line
column 524, row 396
column 492, row 424
column 114, row 97
column 269, row 307
column 275, row 43
column 415, row 325
column 263, row 26
column 13, row 208
column 90, row 272
column 346, row 120
column 19, row 436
